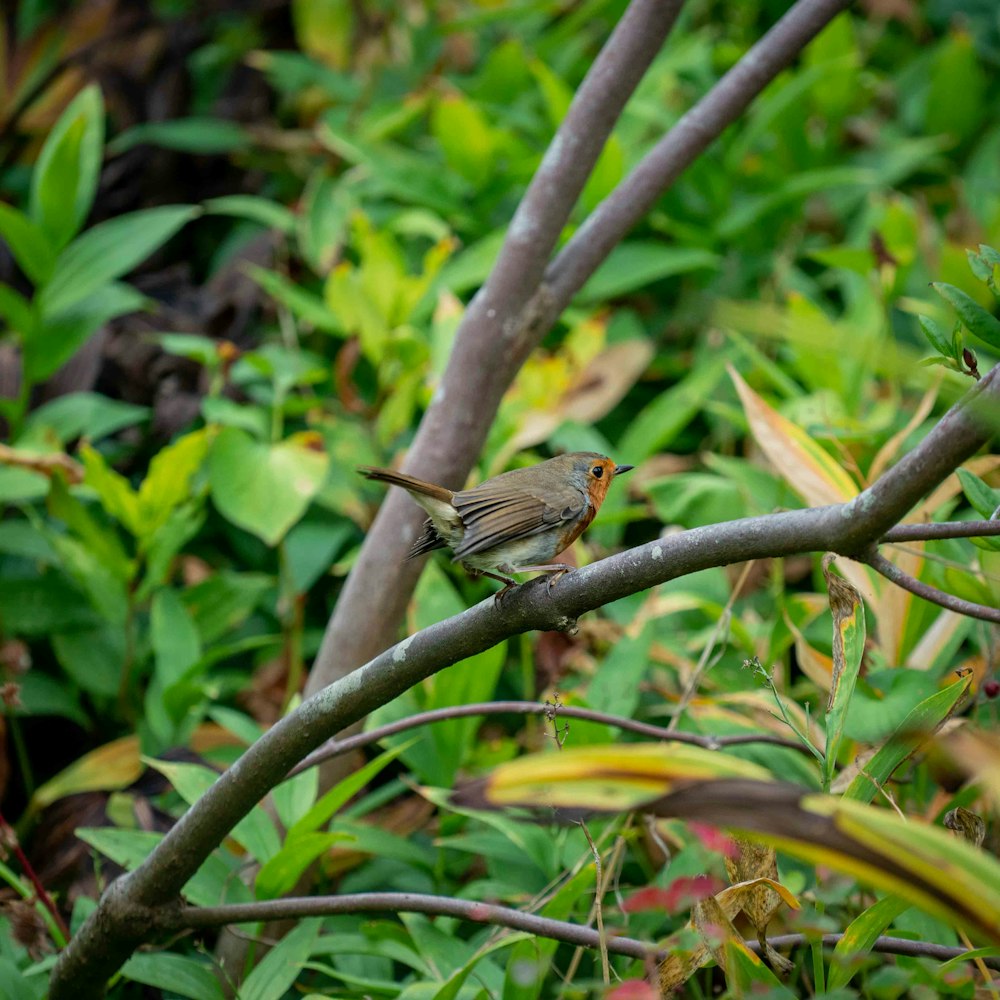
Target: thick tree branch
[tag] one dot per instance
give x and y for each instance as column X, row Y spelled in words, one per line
column 509, row 316
column 880, row 564
column 121, row 921
column 685, row 142
column 335, row 748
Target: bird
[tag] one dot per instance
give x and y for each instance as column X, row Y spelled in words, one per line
column 515, row 522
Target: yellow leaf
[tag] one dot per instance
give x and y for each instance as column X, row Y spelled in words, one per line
column 815, row 475
column 616, row 777
column 108, row 768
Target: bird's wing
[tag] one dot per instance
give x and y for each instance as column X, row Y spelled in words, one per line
column 504, row 513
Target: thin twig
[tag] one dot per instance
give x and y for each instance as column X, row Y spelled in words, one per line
column 944, row 529
column 880, row 564
column 196, row 917
column 337, row 747
column 602, row 933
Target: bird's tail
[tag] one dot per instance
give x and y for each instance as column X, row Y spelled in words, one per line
column 409, row 483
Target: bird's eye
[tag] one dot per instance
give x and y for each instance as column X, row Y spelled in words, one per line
column 597, row 471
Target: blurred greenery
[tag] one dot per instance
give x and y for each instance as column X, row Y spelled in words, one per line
column 235, row 247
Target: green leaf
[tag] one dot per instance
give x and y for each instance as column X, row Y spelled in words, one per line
column 65, row 178
column 256, row 832
column 470, row 267
column 860, row 936
column 15, row 311
column 465, row 137
column 93, row 658
column 228, row 413
column 214, row 881
column 935, row 333
column 115, row 492
column 282, row 965
column 174, row 974
column 103, row 583
column 108, row 251
column 344, row 790
column 311, row 548
column 983, row 499
column 78, row 413
column 977, row 320
column 41, row 606
column 160, row 547
column 958, row 87
column 921, row 721
column 302, row 304
column 660, row 421
column 22, row 484
column 262, row 488
column 634, row 265
column 99, row 537
column 327, row 205
column 19, row 538
column 616, row 686
column 29, row 245
column 253, row 208
column 980, row 266
column 223, row 601
column 203, row 136
column 204, row 350
column 56, row 338
column 529, row 964
column 168, row 483
column 174, row 638
column 747, row 975
column 278, row 875
column 294, row 797
column 41, row 694
column 15, row 985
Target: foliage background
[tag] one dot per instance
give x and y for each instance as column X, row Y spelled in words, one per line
column 233, row 270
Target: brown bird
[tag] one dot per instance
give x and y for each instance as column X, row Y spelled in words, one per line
column 515, row 522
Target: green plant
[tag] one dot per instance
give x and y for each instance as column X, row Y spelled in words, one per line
column 74, row 274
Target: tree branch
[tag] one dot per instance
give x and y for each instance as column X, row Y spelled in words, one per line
column 196, row 917
column 335, row 747
column 685, row 142
column 940, row 530
column 890, row 571
column 121, row 921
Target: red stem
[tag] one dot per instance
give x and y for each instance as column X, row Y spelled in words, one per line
column 41, row 893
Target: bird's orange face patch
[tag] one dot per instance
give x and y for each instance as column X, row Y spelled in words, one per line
column 599, row 476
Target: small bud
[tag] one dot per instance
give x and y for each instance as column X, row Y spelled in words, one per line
column 991, row 688
column 971, row 363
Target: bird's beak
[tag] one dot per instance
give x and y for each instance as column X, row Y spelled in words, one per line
column 619, row 469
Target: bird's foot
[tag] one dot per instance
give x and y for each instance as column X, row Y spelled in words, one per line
column 509, row 583
column 555, row 571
